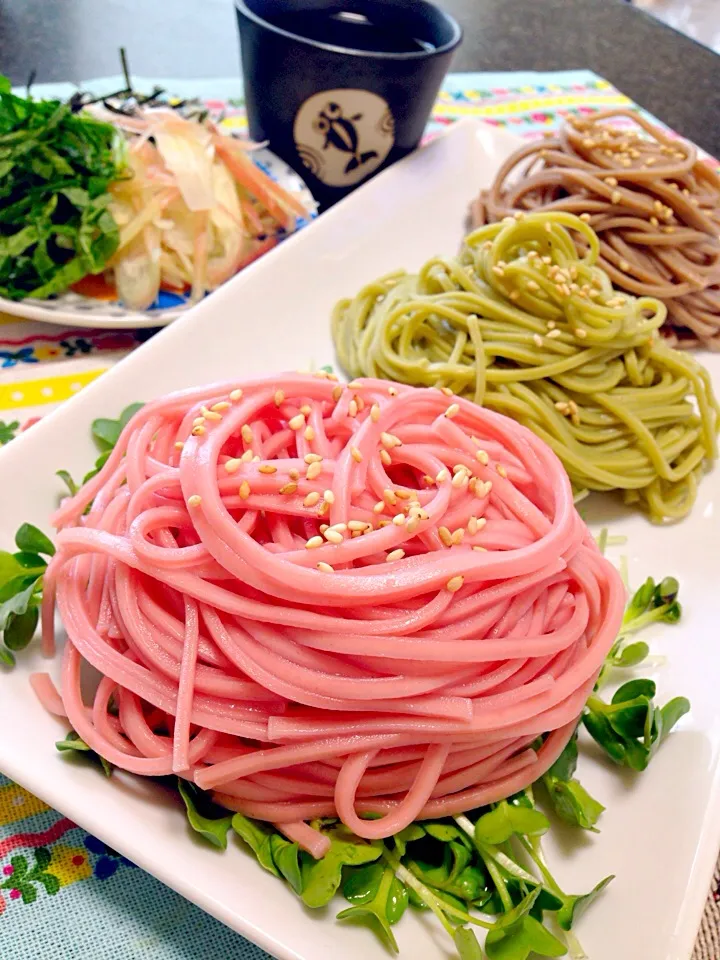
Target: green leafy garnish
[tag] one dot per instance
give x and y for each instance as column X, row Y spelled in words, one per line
column 8, row 431
column 74, row 744
column 55, row 171
column 21, row 590
column 378, row 899
column 213, row 828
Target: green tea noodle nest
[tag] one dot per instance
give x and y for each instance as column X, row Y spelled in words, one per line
column 522, row 325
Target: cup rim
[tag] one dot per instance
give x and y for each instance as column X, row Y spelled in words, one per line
column 451, row 44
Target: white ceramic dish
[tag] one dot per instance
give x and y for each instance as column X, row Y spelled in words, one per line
column 75, row 310
column 661, row 831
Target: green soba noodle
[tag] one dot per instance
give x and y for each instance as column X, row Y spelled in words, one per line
column 519, row 324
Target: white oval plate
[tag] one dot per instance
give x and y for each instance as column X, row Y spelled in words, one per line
column 73, row 309
column 661, row 830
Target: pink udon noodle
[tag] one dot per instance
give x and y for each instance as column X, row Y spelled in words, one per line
column 317, row 599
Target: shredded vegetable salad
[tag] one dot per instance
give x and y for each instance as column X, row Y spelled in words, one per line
column 140, row 195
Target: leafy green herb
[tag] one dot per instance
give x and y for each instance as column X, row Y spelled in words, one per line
column 55, row 170
column 21, row 590
column 73, row 743
column 378, row 899
column 213, row 828
column 631, row 727
column 8, row 431
column 569, row 798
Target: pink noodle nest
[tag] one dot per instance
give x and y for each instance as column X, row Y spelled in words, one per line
column 317, row 599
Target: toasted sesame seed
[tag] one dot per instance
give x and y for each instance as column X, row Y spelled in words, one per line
column 616, row 197
column 314, row 542
column 236, row 395
column 198, row 431
column 244, row 491
column 352, row 408
column 198, row 421
column 546, row 260
column 514, row 295
column 267, row 468
column 383, row 523
column 357, row 525
column 472, row 526
column 392, row 391
column 356, row 455
column 179, row 445
column 453, row 410
column 532, row 286
column 442, row 476
column 399, row 519
column 211, row 415
column 255, row 459
column 195, row 500
column 454, row 583
column 624, row 265
column 311, row 499
column 389, row 497
column 323, row 508
column 413, row 523
column 246, row 457
column 329, row 496
column 446, row 391
column 428, row 480
column 482, row 456
column 390, row 440
column 445, row 536
column 324, row 527
column 294, row 474
column 220, row 406
column 246, row 433
column 537, row 340
column 337, row 393
column 498, row 271
column 553, row 334
column 501, row 470
column 297, row 422
column 477, row 547
column 379, row 506
column 580, row 333
column 385, row 457
column 395, row 555
column 654, row 222
column 404, row 494
column 309, row 434
column 312, row 458
column 325, row 567
column 611, row 181
column 338, row 527
column 306, row 409
column 375, row 412
column 457, row 535
column 279, row 397
column 333, row 536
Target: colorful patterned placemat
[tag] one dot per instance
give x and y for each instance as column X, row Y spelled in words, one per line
column 63, row 894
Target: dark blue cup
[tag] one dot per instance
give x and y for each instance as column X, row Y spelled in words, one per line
column 342, row 89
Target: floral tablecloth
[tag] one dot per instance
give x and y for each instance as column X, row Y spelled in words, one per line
column 64, row 895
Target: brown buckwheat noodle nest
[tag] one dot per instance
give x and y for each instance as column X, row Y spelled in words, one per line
column 653, row 204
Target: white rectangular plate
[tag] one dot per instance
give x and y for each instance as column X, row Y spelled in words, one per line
column 661, row 831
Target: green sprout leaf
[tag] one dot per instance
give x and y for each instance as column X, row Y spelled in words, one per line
column 378, row 899
column 574, row 906
column 20, row 629
column 321, row 878
column 31, row 540
column 212, row 829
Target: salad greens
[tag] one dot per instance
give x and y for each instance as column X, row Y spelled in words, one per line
column 55, row 170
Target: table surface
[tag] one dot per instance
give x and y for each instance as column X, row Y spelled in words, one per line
column 673, row 77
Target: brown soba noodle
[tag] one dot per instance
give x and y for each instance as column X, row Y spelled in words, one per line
column 654, row 205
